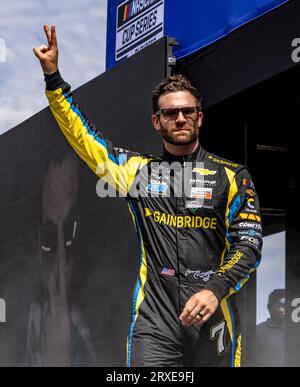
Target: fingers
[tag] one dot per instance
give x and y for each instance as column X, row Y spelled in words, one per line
column 192, row 315
column 200, row 318
column 189, row 313
column 196, row 321
column 48, row 33
column 43, row 49
column 51, row 36
column 204, row 302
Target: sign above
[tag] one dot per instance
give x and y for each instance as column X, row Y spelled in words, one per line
column 139, row 23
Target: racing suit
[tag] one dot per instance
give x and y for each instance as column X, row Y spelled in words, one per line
column 208, row 236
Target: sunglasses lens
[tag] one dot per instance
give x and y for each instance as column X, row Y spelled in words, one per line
column 172, row 114
column 48, row 237
column 189, row 112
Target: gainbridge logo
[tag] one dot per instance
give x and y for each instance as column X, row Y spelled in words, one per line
column 181, row 221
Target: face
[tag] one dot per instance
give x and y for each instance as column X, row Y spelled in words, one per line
column 183, row 129
column 277, row 310
column 60, row 222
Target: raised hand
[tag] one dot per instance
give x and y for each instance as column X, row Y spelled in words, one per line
column 48, row 55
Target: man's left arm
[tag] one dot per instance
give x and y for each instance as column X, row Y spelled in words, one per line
column 243, row 237
column 243, row 250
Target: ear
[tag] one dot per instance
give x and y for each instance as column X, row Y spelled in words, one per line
column 156, row 122
column 200, row 119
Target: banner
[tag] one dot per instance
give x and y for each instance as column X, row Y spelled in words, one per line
column 134, row 24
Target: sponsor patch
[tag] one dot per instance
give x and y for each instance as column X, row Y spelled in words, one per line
column 182, row 221
column 223, row 162
column 256, row 226
column 204, row 172
column 250, row 233
column 250, row 202
column 194, row 205
column 248, row 183
column 203, row 183
column 157, row 188
column 254, row 217
column 253, row 241
column 251, row 192
column 201, row 193
column 233, row 261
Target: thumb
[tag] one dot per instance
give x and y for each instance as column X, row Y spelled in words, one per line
column 38, row 53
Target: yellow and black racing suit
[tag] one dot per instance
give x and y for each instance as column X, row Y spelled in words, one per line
column 208, row 236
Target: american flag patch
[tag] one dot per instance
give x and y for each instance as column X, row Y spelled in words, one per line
column 168, row 272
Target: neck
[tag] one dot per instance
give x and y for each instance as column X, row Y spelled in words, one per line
column 181, row 150
column 277, row 320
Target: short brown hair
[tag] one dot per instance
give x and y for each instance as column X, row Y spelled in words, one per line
column 172, row 85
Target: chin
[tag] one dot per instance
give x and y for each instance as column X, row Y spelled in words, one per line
column 183, row 141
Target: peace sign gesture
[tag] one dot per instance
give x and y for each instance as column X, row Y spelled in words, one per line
column 48, row 56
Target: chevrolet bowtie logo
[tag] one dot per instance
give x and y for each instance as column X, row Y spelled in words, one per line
column 204, row 172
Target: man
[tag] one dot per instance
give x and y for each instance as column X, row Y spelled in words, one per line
column 57, row 333
column 196, row 248
column 270, row 334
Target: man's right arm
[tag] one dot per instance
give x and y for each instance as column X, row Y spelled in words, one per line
column 116, row 167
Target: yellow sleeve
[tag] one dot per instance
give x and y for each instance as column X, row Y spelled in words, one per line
column 115, row 166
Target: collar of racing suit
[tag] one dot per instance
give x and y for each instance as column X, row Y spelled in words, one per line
column 197, row 155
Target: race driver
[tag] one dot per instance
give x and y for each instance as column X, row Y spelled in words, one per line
column 197, row 247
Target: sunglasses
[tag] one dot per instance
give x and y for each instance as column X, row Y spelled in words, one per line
column 281, row 302
column 48, row 234
column 172, row 113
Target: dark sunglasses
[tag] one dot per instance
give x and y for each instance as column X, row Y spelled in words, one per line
column 48, row 233
column 172, row 113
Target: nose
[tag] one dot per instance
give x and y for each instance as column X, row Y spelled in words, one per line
column 61, row 247
column 180, row 117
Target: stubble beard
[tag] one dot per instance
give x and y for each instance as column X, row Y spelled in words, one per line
column 173, row 139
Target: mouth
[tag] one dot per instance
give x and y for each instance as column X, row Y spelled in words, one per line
column 181, row 130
